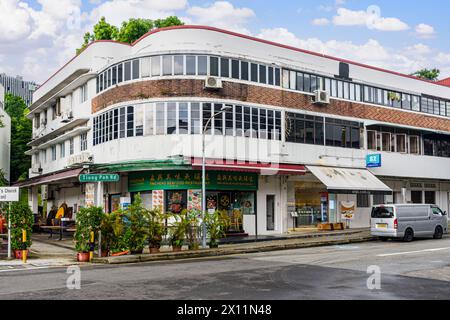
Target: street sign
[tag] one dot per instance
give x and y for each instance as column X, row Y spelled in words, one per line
column 9, row 194
column 103, row 177
column 373, row 161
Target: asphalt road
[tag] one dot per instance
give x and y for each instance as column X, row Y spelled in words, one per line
column 417, row 270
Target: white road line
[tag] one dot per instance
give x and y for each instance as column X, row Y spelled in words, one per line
column 412, row 252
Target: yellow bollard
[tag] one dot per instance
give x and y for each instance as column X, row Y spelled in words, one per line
column 91, row 252
column 24, row 240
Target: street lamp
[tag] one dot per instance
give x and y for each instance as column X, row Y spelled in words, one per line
column 204, row 172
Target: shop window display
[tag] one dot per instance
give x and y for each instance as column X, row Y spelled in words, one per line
column 176, row 201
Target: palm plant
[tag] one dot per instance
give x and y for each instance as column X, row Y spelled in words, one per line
column 156, row 230
column 216, row 225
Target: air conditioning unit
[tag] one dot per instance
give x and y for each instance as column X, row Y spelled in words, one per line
column 321, row 97
column 36, row 168
column 67, row 117
column 213, row 83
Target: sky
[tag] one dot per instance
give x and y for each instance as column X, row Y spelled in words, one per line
column 38, row 36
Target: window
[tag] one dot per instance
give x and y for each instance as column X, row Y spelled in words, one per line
column 71, row 146
column 254, row 72
column 416, row 196
column 414, row 145
column 292, row 80
column 400, row 141
column 120, row 73
column 363, row 201
column 139, row 120
column 127, row 75
column 378, row 199
column 244, row 70
column 83, row 142
column 218, row 120
column 286, row 79
column 130, row 121
column 195, row 119
column 136, row 69
column 167, row 65
column 178, row 65
column 235, row 69
column 53, row 153
column 191, row 65
column 263, row 124
column 372, row 140
column 83, row 94
column 206, row 116
column 224, row 67
column 386, row 142
column 156, row 66
column 214, row 66
column 183, row 118
column 430, row 197
column 262, row 74
column 229, row 123
column 277, row 77
column 122, row 122
column 171, row 118
column 62, row 150
column 202, row 65
column 255, row 123
column 306, row 83
column 247, row 122
column 238, row 121
column 343, row 134
column 160, row 119
column 146, row 67
column 149, row 119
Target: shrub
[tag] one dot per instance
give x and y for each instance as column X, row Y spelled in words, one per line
column 88, row 219
column 21, row 219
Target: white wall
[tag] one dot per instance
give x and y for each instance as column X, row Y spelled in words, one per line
column 5, row 147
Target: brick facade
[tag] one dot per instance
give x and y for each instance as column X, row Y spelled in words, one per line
column 262, row 95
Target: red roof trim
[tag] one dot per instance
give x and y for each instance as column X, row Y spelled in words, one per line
column 445, row 82
column 252, row 39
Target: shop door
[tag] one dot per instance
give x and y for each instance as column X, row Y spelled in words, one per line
column 270, row 205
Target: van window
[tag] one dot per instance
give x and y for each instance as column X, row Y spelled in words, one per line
column 383, row 212
column 436, row 211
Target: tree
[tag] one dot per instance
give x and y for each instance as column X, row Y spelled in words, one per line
column 21, row 131
column 133, row 29
column 129, row 31
column 427, row 74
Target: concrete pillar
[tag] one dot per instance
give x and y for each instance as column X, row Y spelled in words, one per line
column 33, row 199
column 100, row 192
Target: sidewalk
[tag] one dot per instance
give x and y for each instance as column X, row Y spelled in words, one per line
column 293, row 241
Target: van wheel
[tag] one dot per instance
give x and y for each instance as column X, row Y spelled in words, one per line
column 409, row 235
column 438, row 233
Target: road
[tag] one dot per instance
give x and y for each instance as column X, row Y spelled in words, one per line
column 417, row 270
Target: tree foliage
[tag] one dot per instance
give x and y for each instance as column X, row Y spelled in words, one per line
column 129, row 31
column 428, row 74
column 21, row 131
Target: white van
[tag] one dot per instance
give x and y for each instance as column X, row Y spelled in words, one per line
column 407, row 221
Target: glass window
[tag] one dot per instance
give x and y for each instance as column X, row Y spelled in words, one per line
column 415, row 103
column 271, row 78
column 352, row 91
column 224, row 67
column 247, row 122
column 286, row 79
column 160, row 118
column 130, row 121
column 202, row 65
column 244, row 70
column 120, row 73
column 101, row 82
column 156, row 66
column 414, row 145
column 171, row 118
column 314, row 83
column 400, row 140
column 292, row 80
column 136, row 69
column 53, row 153
column 362, row 201
column 340, row 89
column 235, row 69
column 122, row 123
column 328, row 85
column 299, row 81
column 195, row 119
column 139, row 120
column 83, row 142
column 183, row 118
column 372, row 140
column 262, row 123
column 309, row 130
column 334, row 88
column 238, row 121
column 262, row 74
column 116, row 123
column 146, row 67
column 270, row 124
column 254, row 72
column 62, row 150
column 306, row 83
column 114, row 75
column 277, row 77
column 229, row 123
column 207, row 114
column 127, row 76
column 178, row 65
column 191, row 65
column 218, row 120
column 167, row 65
column 71, row 146
column 255, row 123
column 149, row 119
column 214, row 66
column 277, row 131
column 442, row 108
column 357, row 92
column 108, row 77
column 386, row 141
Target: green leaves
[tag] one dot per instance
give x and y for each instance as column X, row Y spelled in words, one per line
column 428, row 74
column 21, row 219
column 129, row 32
column 88, row 219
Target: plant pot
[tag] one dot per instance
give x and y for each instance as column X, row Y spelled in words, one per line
column 176, row 248
column 154, row 250
column 105, row 253
column 123, row 253
column 138, row 251
column 18, row 254
column 83, row 256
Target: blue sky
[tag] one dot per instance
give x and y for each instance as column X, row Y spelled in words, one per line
column 399, row 35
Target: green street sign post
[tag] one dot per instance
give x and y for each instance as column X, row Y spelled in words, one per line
column 101, row 177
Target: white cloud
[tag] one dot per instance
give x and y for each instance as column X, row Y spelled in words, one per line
column 425, row 31
column 222, row 14
column 14, row 21
column 370, row 18
column 321, row 22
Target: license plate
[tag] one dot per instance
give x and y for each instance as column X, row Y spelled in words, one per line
column 382, row 226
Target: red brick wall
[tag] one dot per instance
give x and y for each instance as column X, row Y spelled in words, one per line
column 262, row 95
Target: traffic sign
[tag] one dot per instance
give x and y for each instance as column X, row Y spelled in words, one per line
column 102, row 177
column 9, row 194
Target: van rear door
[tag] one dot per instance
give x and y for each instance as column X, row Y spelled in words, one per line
column 383, row 218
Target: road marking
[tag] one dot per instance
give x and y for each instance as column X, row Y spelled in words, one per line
column 412, row 252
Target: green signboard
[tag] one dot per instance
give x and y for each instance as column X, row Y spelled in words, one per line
column 183, row 180
column 103, row 177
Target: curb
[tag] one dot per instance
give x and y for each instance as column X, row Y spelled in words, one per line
column 168, row 256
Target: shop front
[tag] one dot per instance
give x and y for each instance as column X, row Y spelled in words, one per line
column 231, row 193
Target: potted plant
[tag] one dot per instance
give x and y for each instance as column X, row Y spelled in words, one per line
column 88, row 220
column 21, row 219
column 177, row 230
column 137, row 226
column 192, row 232
column 156, row 230
column 118, row 245
column 216, row 225
column 107, row 231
